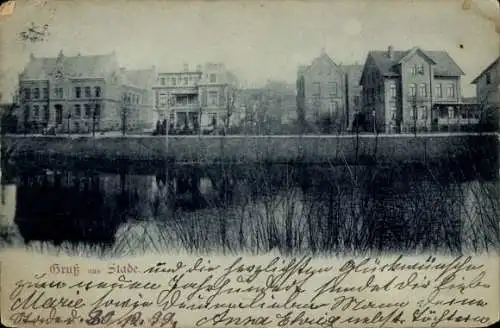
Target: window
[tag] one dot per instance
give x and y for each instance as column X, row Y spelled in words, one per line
column 412, row 70
column 423, row 90
column 36, row 93
column 213, row 78
column 439, row 91
column 333, row 88
column 420, row 69
column 163, row 99
column 78, row 110
column 450, row 91
column 87, row 110
column 87, row 92
column 46, row 113
column 162, row 81
column 186, row 80
column 316, row 89
column 174, row 81
column 27, row 93
column 451, row 112
column 212, row 98
column 97, row 91
column 36, row 111
column 78, row 92
column 333, row 108
column 59, row 93
column 423, row 112
column 412, row 90
column 172, row 117
column 45, row 93
column 392, row 91
column 488, row 77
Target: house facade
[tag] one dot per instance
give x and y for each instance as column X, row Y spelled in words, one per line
column 323, row 99
column 400, row 88
column 488, row 93
column 192, row 99
column 80, row 94
column 488, row 84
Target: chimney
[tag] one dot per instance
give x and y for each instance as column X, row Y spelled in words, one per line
column 198, row 68
column 390, row 52
column 186, row 68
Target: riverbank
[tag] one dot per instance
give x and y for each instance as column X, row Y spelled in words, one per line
column 352, row 149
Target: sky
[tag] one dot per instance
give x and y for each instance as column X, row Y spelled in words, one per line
column 257, row 40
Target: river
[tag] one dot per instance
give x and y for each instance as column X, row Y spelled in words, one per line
column 251, row 209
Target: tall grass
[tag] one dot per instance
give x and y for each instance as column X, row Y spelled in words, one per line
column 294, row 209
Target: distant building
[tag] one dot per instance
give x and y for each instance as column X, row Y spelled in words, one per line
column 400, row 88
column 488, row 95
column 488, row 84
column 83, row 93
column 203, row 97
column 323, row 98
column 280, row 99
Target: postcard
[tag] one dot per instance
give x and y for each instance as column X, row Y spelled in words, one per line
column 249, row 163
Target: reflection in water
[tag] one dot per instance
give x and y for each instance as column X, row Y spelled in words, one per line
column 259, row 208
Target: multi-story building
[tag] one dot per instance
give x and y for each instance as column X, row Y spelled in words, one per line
column 202, row 98
column 488, row 94
column 323, row 97
column 400, row 88
column 488, row 84
column 82, row 94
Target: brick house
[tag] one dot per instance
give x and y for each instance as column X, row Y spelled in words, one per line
column 79, row 94
column 323, row 99
column 400, row 88
column 204, row 97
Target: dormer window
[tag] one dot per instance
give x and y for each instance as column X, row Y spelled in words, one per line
column 213, row 78
column 420, row 69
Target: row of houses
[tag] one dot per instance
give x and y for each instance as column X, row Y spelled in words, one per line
column 81, row 94
column 393, row 91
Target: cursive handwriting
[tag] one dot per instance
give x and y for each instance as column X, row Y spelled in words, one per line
column 279, row 292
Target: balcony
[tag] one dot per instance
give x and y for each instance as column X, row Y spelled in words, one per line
column 185, row 106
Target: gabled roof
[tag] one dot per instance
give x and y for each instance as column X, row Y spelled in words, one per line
column 495, row 62
column 445, row 65
column 95, row 66
column 323, row 57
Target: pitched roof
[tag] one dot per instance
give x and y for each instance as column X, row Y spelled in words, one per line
column 94, row 66
column 445, row 65
column 486, row 69
column 324, row 56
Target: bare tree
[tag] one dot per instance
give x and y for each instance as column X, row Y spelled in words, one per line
column 230, row 96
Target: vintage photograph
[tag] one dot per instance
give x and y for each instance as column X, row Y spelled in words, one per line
column 324, row 128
